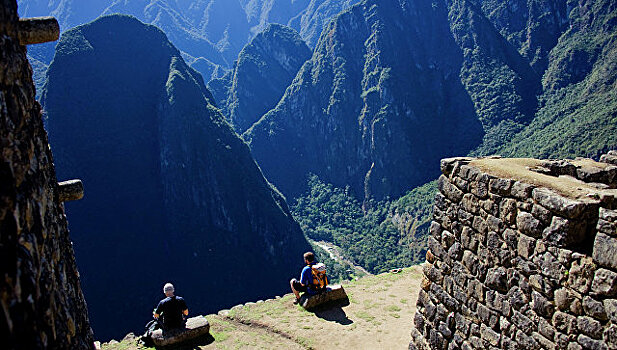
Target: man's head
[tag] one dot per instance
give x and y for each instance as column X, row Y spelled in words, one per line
column 168, row 289
column 309, row 257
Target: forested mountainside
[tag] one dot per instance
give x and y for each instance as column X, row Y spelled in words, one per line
column 379, row 102
column 210, row 33
column 370, row 109
column 265, row 67
column 394, row 86
column 172, row 193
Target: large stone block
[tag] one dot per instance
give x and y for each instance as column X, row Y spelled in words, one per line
column 528, row 224
column 562, row 206
column 195, row 327
column 605, row 251
column 563, row 232
column 449, row 190
column 605, row 283
column 334, row 292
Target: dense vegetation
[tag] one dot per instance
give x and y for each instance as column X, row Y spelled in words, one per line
column 383, row 235
column 264, row 69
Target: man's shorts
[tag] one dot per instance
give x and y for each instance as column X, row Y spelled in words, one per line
column 298, row 286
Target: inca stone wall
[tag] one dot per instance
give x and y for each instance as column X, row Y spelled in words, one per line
column 522, row 255
column 42, row 305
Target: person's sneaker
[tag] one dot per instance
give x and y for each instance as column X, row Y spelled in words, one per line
column 296, row 301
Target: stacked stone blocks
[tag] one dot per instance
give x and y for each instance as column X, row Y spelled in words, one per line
column 514, row 265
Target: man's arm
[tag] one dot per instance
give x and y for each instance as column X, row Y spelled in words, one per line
column 305, row 276
column 157, row 311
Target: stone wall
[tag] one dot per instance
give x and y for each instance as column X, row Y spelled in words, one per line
column 42, row 305
column 522, row 255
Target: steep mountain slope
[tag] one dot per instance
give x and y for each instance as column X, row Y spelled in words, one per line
column 578, row 110
column 172, row 194
column 213, row 30
column 265, row 67
column 376, row 123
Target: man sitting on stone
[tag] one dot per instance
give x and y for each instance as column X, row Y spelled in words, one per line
column 305, row 285
column 171, row 311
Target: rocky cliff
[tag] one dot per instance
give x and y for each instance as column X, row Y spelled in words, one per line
column 378, row 102
column 173, row 193
column 42, row 305
column 264, row 69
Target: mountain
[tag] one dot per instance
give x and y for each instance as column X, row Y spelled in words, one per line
column 214, row 30
column 577, row 114
column 172, row 193
column 392, row 87
column 265, row 67
column 378, row 103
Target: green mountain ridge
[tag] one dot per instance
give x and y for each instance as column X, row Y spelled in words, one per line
column 265, row 67
column 173, row 193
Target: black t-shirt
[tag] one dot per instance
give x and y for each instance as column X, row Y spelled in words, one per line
column 170, row 311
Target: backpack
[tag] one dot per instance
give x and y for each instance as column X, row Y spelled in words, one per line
column 320, row 280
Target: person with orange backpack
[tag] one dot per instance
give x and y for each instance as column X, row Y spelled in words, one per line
column 313, row 279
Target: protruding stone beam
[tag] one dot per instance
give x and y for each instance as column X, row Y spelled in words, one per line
column 38, row 30
column 70, row 190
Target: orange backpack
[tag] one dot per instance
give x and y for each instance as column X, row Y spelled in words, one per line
column 320, row 280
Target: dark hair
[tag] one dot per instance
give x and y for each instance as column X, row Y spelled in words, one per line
column 309, row 256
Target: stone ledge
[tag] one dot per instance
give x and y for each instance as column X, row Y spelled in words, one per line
column 334, row 292
column 195, row 327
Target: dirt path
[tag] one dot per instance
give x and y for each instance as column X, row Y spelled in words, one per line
column 379, row 316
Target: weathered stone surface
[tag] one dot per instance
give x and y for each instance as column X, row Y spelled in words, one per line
column 526, row 342
column 195, row 327
column 528, row 224
column 563, row 232
column 589, row 326
column 591, row 344
column 500, row 186
column 41, row 301
column 605, row 251
column 334, row 292
column 489, row 335
column 604, row 282
column 581, row 275
column 563, row 299
column 524, row 279
column 610, row 306
column 522, row 322
column 521, row 190
column 564, row 322
column 497, row 279
column 449, row 190
column 610, row 337
column 70, row 190
column 541, row 305
column 594, row 308
column 560, row 205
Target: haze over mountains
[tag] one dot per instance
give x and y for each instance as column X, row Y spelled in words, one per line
column 173, row 193
column 210, row 34
column 390, row 87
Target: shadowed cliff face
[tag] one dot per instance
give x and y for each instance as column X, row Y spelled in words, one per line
column 265, row 67
column 41, row 302
column 378, row 103
column 172, row 193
